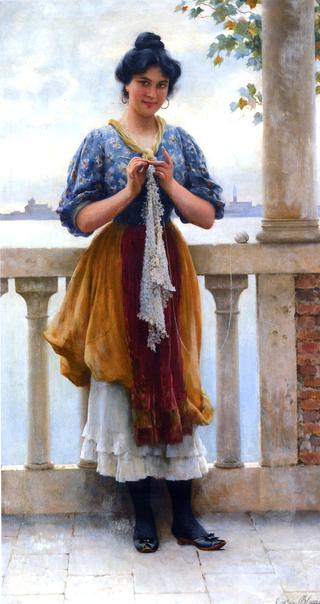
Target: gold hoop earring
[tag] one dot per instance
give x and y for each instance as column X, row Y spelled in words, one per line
column 167, row 105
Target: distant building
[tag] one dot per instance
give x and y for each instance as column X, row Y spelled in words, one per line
column 32, row 211
column 241, row 208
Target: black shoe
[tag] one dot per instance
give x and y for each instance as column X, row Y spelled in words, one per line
column 146, row 545
column 195, row 534
column 186, row 529
column 206, row 542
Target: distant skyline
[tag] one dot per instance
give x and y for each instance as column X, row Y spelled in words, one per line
column 59, row 61
column 34, row 210
column 38, row 211
column 50, row 208
column 37, row 203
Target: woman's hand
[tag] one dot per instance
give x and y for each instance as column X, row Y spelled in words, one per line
column 164, row 171
column 136, row 173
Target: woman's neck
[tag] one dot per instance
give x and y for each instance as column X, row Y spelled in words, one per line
column 142, row 129
column 138, row 124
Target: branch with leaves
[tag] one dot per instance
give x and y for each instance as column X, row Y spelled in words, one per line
column 244, row 42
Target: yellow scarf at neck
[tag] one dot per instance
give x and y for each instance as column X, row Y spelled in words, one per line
column 128, row 140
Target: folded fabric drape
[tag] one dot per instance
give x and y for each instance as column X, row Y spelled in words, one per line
column 97, row 332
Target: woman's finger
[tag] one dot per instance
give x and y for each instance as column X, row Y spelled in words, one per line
column 140, row 169
column 137, row 165
column 133, row 165
column 167, row 156
column 157, row 162
column 137, row 169
column 162, row 172
column 137, row 160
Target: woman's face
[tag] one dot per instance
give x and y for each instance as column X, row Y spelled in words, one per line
column 148, row 91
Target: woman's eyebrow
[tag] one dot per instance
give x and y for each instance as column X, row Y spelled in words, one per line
column 148, row 79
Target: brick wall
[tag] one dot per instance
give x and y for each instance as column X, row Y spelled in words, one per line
column 308, row 366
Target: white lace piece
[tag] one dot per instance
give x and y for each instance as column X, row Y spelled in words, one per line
column 156, row 287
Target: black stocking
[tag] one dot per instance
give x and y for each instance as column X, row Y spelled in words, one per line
column 184, row 523
column 140, row 495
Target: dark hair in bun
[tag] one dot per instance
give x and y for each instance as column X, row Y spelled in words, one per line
column 148, row 40
column 148, row 51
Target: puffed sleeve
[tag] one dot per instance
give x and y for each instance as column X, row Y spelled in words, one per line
column 85, row 181
column 198, row 179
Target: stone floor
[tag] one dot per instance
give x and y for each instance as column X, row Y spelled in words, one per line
column 270, row 558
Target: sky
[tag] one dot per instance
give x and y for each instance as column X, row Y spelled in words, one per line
column 58, row 60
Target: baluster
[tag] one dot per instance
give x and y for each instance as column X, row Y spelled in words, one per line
column 278, row 369
column 36, row 291
column 226, row 293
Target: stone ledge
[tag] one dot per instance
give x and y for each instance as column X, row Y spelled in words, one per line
column 68, row 488
column 209, row 259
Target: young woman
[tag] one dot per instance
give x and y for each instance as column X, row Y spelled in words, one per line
column 130, row 323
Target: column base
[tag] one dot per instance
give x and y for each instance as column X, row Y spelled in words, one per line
column 284, row 230
column 48, row 465
column 83, row 463
column 228, row 464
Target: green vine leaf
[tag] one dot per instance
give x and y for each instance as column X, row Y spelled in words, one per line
column 195, row 12
column 243, row 20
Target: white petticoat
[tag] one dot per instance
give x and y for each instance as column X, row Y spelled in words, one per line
column 109, row 441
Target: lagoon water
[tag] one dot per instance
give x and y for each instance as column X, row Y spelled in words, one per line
column 64, row 397
column 50, row 234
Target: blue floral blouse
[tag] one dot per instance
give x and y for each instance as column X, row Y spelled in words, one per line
column 98, row 171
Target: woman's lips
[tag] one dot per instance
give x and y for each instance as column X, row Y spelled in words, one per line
column 149, row 104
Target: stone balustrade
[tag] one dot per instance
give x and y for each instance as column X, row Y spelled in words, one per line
column 281, row 478
column 226, row 268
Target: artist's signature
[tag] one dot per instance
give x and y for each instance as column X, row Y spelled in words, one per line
column 304, row 599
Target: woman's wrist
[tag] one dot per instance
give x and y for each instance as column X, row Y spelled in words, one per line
column 96, row 214
column 172, row 188
column 196, row 210
column 129, row 193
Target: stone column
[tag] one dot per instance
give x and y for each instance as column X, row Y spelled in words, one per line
column 226, row 291
column 36, row 291
column 289, row 133
column 278, row 369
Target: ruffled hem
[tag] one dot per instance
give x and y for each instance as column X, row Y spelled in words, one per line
column 128, row 467
column 108, row 441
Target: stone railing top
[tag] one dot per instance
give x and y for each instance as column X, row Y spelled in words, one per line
column 209, row 259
